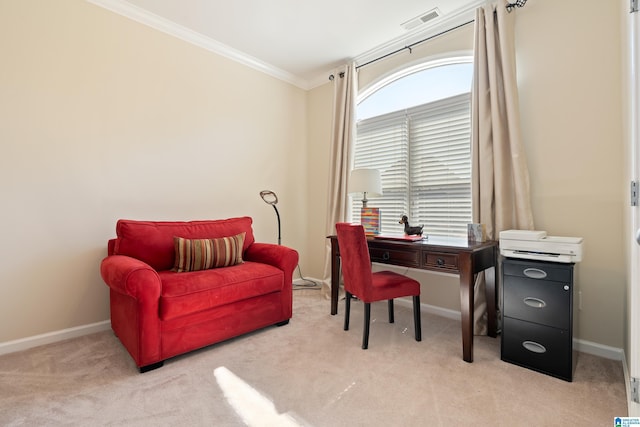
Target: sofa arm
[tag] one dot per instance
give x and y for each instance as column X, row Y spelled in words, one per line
column 134, row 305
column 130, row 276
column 282, row 257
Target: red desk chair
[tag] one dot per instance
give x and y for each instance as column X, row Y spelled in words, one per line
column 370, row 287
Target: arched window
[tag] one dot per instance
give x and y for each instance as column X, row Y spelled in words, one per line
column 415, row 127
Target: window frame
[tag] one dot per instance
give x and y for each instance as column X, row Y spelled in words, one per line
column 390, row 206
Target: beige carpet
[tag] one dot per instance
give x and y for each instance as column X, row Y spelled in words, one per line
column 312, row 373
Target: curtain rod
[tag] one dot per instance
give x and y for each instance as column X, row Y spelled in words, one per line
column 517, row 3
column 509, row 7
column 410, row 46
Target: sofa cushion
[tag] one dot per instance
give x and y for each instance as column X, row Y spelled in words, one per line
column 152, row 241
column 191, row 292
column 203, row 254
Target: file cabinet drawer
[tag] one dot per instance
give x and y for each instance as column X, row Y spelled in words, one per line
column 537, row 270
column 544, row 302
column 538, row 347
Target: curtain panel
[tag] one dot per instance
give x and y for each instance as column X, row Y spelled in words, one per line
column 500, row 177
column 341, row 157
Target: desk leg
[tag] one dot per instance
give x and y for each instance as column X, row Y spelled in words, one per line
column 466, row 305
column 335, row 276
column 491, row 295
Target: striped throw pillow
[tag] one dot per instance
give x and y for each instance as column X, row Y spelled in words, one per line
column 202, row 254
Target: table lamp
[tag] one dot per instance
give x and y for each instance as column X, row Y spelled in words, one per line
column 367, row 181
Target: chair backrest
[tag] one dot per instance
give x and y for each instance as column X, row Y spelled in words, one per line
column 356, row 263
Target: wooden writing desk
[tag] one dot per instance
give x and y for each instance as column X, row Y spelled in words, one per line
column 448, row 255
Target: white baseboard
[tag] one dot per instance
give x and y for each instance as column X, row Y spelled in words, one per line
column 439, row 311
column 432, row 309
column 600, row 350
column 51, row 337
column 584, row 346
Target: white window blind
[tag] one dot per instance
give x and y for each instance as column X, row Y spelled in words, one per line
column 424, row 157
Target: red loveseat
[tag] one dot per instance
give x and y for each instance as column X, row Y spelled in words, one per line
column 163, row 305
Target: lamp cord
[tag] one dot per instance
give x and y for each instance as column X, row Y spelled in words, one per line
column 309, row 285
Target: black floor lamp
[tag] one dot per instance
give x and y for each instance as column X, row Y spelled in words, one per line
column 270, row 198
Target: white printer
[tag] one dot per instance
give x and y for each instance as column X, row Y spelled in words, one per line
column 538, row 246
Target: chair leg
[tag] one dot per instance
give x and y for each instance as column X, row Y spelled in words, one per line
column 347, row 310
column 416, row 317
column 391, row 316
column 365, row 329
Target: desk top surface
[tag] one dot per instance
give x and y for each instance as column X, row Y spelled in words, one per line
column 450, row 242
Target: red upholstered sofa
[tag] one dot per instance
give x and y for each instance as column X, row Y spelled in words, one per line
column 158, row 313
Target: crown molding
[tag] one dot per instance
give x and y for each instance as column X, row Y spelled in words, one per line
column 135, row 13
column 159, row 23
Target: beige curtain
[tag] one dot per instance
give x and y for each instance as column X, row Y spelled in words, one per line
column 500, row 176
column 344, row 105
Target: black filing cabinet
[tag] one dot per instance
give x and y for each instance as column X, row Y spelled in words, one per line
column 538, row 316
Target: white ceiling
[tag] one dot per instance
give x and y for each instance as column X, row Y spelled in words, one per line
column 297, row 40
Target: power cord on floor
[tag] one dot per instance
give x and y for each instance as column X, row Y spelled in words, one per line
column 309, row 284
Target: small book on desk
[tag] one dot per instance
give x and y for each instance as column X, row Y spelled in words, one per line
column 401, row 237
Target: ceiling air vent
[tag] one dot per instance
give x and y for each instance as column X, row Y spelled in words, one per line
column 422, row 19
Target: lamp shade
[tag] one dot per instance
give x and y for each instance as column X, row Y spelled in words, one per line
column 365, row 181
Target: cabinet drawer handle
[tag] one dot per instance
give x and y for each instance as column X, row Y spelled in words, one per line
column 534, row 347
column 534, row 302
column 535, row 273
column 386, row 256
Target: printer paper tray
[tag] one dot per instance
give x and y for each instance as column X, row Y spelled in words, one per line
column 540, row 256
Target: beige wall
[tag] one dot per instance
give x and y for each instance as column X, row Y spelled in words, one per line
column 104, row 118
column 319, row 102
column 572, row 119
column 571, row 107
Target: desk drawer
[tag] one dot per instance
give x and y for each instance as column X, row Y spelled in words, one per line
column 440, row 260
column 395, row 256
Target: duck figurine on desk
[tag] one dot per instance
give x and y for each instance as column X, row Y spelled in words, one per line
column 409, row 230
